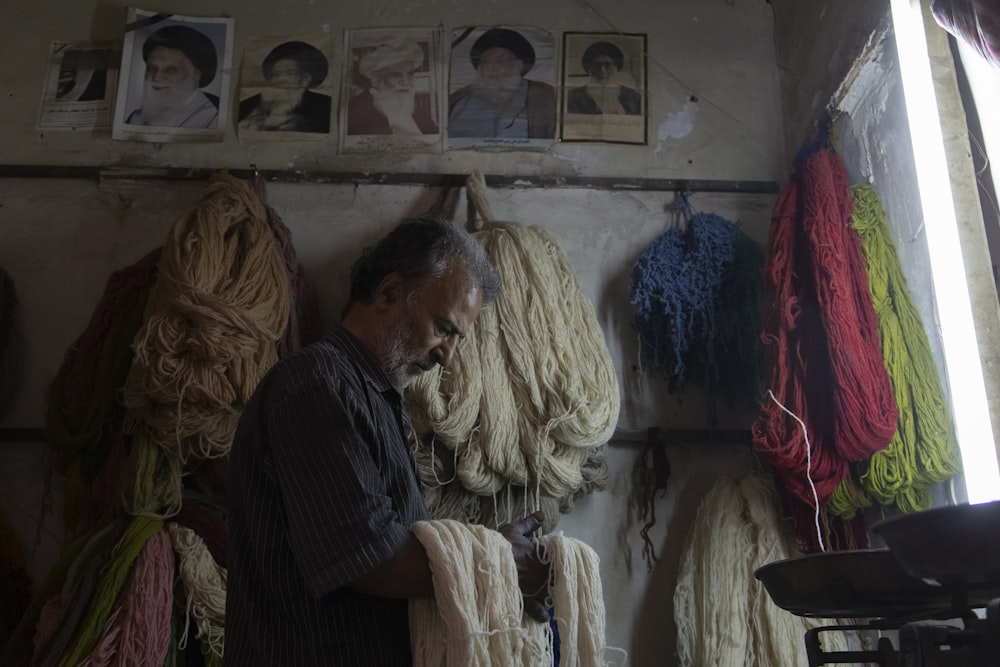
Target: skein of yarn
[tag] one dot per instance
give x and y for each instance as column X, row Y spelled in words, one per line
column 215, row 315
column 923, row 451
column 477, row 614
column 696, row 291
column 724, row 616
column 830, row 400
column 532, row 395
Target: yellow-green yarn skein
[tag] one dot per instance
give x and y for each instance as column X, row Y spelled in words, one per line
column 923, row 451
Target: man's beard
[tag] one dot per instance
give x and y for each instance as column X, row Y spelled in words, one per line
column 498, row 91
column 159, row 106
column 400, row 359
column 281, row 100
column 397, row 106
column 503, row 82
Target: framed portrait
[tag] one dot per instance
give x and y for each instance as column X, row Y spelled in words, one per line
column 286, row 88
column 174, row 81
column 392, row 92
column 603, row 93
column 80, row 86
column 502, row 92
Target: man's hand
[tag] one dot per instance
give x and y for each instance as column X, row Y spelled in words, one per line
column 532, row 572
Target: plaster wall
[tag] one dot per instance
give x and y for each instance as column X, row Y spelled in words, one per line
column 60, row 239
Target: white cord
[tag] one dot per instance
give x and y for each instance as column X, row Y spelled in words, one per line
column 805, row 434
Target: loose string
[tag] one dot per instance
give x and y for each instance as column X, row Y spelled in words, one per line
column 812, row 486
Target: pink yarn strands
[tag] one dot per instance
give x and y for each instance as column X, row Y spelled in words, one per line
column 138, row 631
column 820, row 336
column 862, row 393
column 790, row 332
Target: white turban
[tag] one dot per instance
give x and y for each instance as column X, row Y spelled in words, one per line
column 402, row 57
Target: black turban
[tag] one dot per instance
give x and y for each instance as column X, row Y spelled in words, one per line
column 603, row 49
column 309, row 59
column 507, row 39
column 194, row 44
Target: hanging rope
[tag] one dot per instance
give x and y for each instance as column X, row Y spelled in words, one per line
column 204, row 581
column 923, row 451
column 84, row 416
column 532, row 395
column 723, row 614
column 696, row 290
column 111, row 580
column 11, row 354
column 304, row 325
column 477, row 614
column 214, row 317
column 831, row 400
column 15, row 584
column 138, row 630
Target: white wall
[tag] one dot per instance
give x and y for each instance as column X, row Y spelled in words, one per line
column 60, row 239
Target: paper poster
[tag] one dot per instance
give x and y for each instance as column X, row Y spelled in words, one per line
column 80, row 84
column 392, row 98
column 287, row 86
column 604, row 88
column 502, row 89
column 174, row 81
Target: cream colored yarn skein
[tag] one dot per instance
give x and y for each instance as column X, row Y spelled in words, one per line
column 477, row 614
column 724, row 616
column 532, row 395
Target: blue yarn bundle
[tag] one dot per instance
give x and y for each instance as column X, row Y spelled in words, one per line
column 697, row 294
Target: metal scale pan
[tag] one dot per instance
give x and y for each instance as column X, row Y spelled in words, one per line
column 957, row 543
column 868, row 583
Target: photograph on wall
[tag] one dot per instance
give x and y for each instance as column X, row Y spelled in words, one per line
column 604, row 88
column 286, row 88
column 79, row 90
column 502, row 88
column 174, row 81
column 392, row 98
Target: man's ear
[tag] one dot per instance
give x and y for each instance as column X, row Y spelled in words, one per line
column 389, row 292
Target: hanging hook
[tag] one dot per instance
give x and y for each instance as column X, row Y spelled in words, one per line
column 682, row 209
column 438, row 207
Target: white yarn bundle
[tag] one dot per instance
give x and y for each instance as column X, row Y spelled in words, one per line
column 724, row 615
column 477, row 614
column 204, row 581
column 532, row 395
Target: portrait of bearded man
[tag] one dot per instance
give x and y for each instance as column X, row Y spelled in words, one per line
column 287, row 104
column 389, row 102
column 179, row 62
column 501, row 102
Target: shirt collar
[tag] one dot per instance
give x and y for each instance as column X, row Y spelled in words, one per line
column 370, row 367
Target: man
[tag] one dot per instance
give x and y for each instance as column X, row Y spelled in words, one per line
column 501, row 102
column 323, row 485
column 603, row 95
column 287, row 104
column 180, row 61
column 389, row 103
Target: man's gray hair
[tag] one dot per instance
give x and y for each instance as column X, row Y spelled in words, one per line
column 419, row 249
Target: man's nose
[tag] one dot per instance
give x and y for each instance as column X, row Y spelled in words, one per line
column 445, row 352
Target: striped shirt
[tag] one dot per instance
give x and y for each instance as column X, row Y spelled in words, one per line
column 323, row 489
